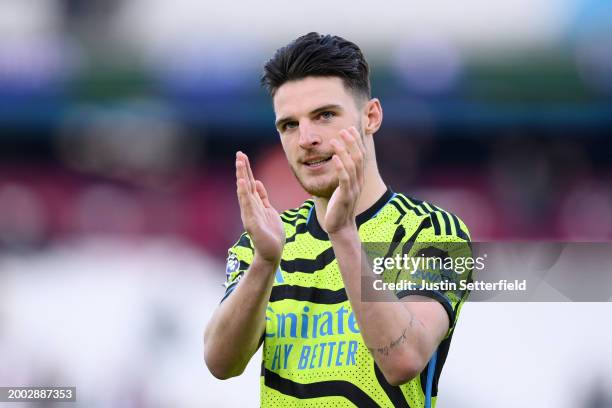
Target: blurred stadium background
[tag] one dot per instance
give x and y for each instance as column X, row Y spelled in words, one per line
column 119, row 121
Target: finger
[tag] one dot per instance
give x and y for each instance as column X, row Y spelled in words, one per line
column 250, row 173
column 355, row 145
column 252, row 198
column 238, row 167
column 345, row 157
column 243, row 200
column 344, row 179
column 349, row 140
column 263, row 194
column 358, row 140
column 246, row 194
column 241, row 172
column 245, row 169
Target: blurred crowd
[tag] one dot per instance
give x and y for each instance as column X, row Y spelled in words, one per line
column 134, row 181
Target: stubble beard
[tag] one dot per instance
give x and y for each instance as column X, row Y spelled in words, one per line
column 318, row 188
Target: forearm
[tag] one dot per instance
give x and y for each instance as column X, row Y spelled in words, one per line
column 233, row 334
column 396, row 338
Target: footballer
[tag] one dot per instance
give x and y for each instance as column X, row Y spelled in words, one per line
column 294, row 279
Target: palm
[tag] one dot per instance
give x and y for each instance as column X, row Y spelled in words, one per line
column 337, row 208
column 266, row 232
column 260, row 219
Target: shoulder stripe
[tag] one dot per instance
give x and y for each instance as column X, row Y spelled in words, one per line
column 418, row 204
column 447, row 224
column 460, row 232
column 442, row 221
column 446, row 220
column 455, row 223
column 428, row 207
column 424, row 206
column 400, row 210
column 319, row 389
column 309, row 265
column 436, row 223
column 308, row 294
column 402, row 199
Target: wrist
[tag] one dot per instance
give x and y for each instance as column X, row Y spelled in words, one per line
column 266, row 262
column 344, row 234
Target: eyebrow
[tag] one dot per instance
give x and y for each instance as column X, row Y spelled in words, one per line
column 280, row 122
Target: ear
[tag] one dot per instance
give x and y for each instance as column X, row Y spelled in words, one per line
column 373, row 116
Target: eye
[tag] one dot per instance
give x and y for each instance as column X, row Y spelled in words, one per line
column 290, row 125
column 327, row 115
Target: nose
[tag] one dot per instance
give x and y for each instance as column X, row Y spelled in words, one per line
column 308, row 136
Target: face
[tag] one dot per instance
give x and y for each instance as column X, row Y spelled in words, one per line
column 309, row 114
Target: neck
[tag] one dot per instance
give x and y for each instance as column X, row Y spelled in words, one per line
column 373, row 188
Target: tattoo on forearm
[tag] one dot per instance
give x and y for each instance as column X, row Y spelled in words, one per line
column 395, row 343
column 386, row 349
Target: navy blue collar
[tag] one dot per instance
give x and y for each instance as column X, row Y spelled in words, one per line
column 316, row 231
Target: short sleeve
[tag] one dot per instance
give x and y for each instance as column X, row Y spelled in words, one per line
column 440, row 263
column 239, row 259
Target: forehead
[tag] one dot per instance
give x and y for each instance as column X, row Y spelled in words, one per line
column 305, row 95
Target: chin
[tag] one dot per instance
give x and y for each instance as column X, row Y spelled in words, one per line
column 324, row 190
column 322, row 185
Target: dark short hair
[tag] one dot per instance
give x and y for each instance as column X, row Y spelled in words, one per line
column 318, row 55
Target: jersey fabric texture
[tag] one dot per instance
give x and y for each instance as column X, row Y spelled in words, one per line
column 313, row 352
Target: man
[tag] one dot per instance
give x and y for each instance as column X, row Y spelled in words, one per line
column 294, row 281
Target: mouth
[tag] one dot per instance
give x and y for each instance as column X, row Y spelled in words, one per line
column 318, row 162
